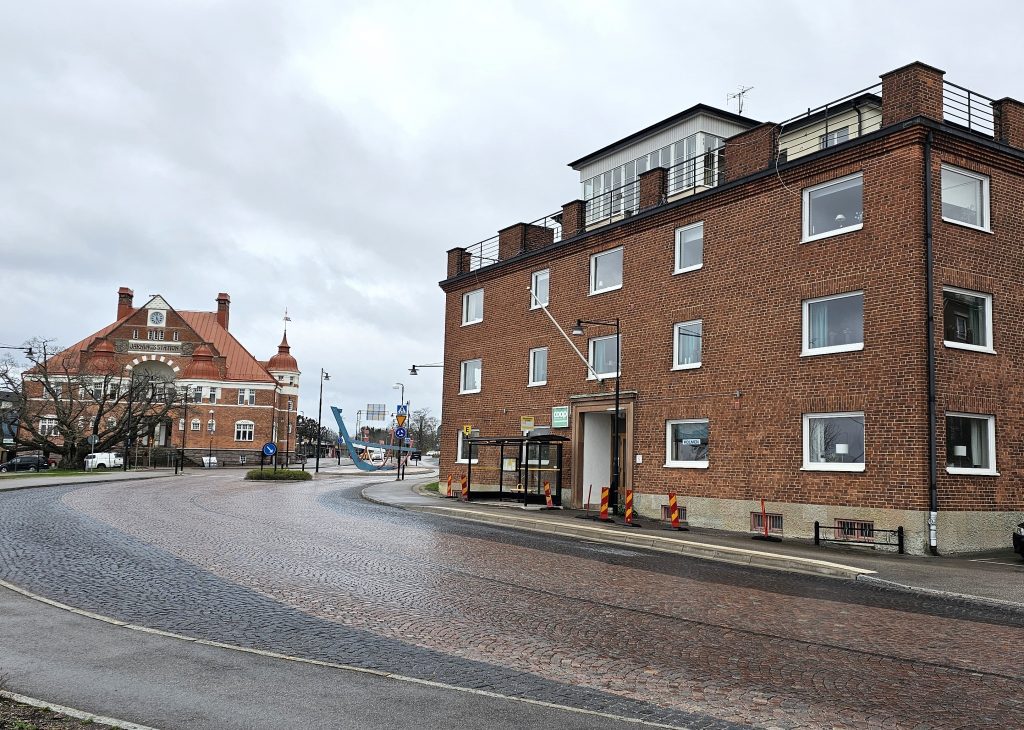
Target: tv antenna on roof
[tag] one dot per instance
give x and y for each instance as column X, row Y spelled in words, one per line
column 738, row 96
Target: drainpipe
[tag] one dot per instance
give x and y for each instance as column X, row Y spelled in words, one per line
column 933, row 491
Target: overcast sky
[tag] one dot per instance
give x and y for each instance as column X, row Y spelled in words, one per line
column 323, row 156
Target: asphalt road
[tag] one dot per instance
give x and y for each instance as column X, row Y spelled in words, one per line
column 309, row 570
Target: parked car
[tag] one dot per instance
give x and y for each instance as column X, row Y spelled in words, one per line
column 25, row 463
column 1018, row 539
column 103, row 460
column 433, row 454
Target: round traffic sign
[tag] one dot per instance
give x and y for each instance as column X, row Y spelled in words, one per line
column 93, row 438
column 400, row 433
column 269, row 449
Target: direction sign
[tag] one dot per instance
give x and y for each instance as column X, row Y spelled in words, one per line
column 400, row 433
column 269, row 449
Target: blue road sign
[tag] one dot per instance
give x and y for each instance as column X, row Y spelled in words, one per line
column 402, row 410
column 269, row 449
column 400, row 433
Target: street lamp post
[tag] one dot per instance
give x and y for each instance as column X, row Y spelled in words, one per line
column 414, row 370
column 616, row 468
column 184, row 426
column 209, row 427
column 319, row 418
column 287, row 433
column 298, row 439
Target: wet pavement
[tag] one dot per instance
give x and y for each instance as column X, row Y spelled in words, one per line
column 310, row 569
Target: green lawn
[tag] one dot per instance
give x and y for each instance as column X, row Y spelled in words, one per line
column 48, row 473
column 432, row 487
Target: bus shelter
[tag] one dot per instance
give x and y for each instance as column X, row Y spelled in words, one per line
column 515, row 468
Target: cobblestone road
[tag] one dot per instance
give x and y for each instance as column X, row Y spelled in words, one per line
column 312, row 570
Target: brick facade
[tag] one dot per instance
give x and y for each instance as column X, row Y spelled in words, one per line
column 754, row 385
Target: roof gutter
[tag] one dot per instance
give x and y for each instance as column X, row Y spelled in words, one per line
column 933, row 491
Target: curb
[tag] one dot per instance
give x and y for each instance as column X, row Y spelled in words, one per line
column 20, row 487
column 72, row 712
column 740, row 556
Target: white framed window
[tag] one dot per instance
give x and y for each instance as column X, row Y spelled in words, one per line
column 48, row 426
column 833, row 137
column 176, row 336
column 540, row 284
column 214, row 393
column 538, row 366
column 197, row 393
column 467, row 452
column 244, row 430
column 606, row 271
column 291, row 405
column 196, row 424
column 181, row 424
column 246, row 396
column 967, row 319
column 211, row 426
column 603, row 358
column 689, row 248
column 971, row 444
column 965, row 198
column 686, row 443
column 471, row 373
column 687, row 339
column 834, row 441
column 135, row 334
column 834, row 207
column 833, row 324
column 473, row 307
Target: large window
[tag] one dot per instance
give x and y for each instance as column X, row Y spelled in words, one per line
column 467, row 451
column 834, row 441
column 686, row 444
column 246, row 396
column 967, row 319
column 606, row 271
column 689, row 248
column 970, row 444
column 471, row 372
column 473, row 307
column 603, row 359
column 244, row 430
column 965, row 198
column 540, row 284
column 688, row 338
column 834, row 324
column 538, row 366
column 196, row 424
column 833, row 208
column 48, row 426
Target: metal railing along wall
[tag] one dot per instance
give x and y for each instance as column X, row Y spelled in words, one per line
column 616, row 203
column 552, row 221
column 968, row 109
column 483, row 253
column 853, row 532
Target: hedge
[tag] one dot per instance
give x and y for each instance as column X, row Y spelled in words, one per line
column 293, row 475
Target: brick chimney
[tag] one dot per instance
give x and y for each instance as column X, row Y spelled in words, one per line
column 223, row 305
column 914, row 90
column 124, row 302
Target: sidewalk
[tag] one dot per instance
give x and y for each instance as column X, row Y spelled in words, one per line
column 995, row 578
column 113, row 475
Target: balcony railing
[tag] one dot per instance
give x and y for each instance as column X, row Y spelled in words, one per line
column 968, row 109
column 554, row 222
column 483, row 253
column 616, row 203
column 703, row 170
column 838, row 121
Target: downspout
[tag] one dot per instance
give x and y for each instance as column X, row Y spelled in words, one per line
column 933, row 491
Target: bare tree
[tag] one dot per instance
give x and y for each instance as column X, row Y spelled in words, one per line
column 424, row 426
column 59, row 408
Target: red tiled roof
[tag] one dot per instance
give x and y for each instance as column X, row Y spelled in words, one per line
column 241, row 365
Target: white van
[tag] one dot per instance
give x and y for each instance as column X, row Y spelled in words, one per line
column 103, row 460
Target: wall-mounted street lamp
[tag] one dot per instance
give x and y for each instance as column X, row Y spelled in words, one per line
column 319, row 417
column 577, row 331
column 414, row 370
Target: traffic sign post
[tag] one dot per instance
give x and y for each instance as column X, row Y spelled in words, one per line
column 401, row 433
column 269, row 449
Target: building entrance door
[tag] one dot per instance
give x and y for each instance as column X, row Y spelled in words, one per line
column 596, row 462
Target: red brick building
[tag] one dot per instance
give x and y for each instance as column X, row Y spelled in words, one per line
column 222, row 400
column 822, row 313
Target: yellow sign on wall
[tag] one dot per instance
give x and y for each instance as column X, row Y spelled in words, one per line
column 467, row 430
column 526, row 423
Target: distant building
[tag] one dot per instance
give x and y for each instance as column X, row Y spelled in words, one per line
column 224, row 400
column 823, row 313
column 8, row 422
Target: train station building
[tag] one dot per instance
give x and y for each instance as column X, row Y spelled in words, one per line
column 823, row 313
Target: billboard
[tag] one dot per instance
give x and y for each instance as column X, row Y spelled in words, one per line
column 376, row 412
